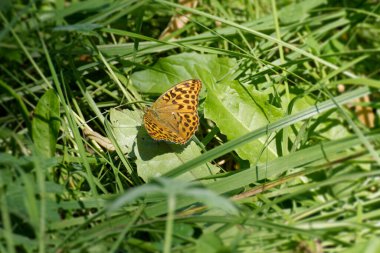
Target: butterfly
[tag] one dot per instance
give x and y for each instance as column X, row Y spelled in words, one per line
column 173, row 116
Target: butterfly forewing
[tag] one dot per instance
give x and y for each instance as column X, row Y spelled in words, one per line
column 173, row 117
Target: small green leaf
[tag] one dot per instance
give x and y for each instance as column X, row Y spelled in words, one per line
column 298, row 11
column 182, row 230
column 46, row 123
column 126, row 125
column 211, row 243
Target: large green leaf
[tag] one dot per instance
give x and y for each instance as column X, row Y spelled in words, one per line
column 174, row 69
column 238, row 110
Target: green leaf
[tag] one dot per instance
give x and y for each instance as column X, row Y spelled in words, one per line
column 173, row 69
column 298, row 11
column 46, row 123
column 326, row 125
column 156, row 158
column 210, row 242
column 182, row 230
column 125, row 125
column 238, row 110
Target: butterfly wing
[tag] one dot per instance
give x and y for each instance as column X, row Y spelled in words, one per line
column 167, row 131
column 173, row 117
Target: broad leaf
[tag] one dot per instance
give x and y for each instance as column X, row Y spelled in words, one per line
column 238, row 110
column 171, row 70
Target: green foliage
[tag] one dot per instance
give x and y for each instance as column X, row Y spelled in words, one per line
column 46, row 124
column 286, row 157
column 236, row 110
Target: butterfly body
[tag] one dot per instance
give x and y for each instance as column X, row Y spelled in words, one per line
column 173, row 117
